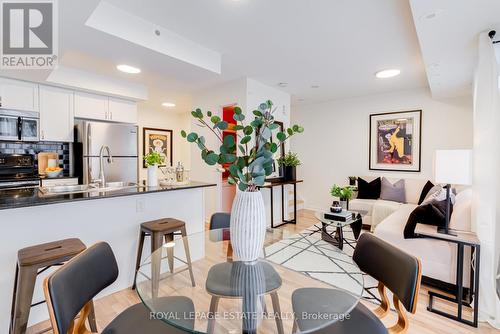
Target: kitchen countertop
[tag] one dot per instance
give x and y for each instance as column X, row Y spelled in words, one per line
column 26, row 197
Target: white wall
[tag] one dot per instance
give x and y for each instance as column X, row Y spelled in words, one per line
column 163, row 118
column 335, row 142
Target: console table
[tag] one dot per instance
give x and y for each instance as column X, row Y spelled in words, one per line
column 461, row 239
column 282, row 183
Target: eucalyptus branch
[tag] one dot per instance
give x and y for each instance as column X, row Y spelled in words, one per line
column 211, row 129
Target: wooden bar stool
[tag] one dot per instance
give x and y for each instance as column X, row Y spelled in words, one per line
column 159, row 230
column 31, row 262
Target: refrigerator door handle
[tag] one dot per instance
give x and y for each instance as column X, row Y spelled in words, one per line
column 89, row 153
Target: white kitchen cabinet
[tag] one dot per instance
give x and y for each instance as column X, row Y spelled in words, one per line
column 56, row 114
column 91, row 106
column 122, row 111
column 18, row 95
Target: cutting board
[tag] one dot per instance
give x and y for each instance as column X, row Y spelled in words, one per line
column 43, row 160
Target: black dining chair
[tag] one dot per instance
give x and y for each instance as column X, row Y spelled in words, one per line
column 400, row 272
column 220, row 220
column 70, row 289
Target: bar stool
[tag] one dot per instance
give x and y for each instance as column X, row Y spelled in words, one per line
column 31, row 262
column 158, row 230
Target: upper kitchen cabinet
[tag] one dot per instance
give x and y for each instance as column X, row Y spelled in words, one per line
column 122, row 111
column 91, row 106
column 56, row 114
column 103, row 108
column 18, row 95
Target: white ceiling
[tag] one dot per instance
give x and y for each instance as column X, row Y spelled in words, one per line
column 448, row 32
column 337, row 45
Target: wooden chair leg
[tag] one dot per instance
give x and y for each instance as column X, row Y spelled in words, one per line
column 277, row 312
column 91, row 318
column 384, row 307
column 24, row 295
column 142, row 236
column 401, row 326
column 294, row 329
column 214, row 304
column 188, row 254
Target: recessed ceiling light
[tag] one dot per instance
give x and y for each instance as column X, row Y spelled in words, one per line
column 168, row 104
column 128, row 69
column 314, row 86
column 384, row 74
column 282, row 84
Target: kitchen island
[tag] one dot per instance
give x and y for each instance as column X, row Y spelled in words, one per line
column 30, row 217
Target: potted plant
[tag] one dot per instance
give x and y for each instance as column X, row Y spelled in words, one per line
column 250, row 160
column 352, row 180
column 289, row 163
column 152, row 161
column 343, row 193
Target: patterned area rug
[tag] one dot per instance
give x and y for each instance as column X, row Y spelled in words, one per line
column 290, row 253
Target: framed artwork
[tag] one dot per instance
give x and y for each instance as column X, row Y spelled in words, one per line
column 158, row 140
column 395, row 141
column 277, row 172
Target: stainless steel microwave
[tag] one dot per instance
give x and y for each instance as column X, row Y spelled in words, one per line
column 19, row 125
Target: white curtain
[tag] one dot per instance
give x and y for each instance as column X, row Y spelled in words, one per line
column 486, row 181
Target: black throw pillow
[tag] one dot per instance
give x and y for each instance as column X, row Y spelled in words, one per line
column 425, row 190
column 433, row 213
column 369, row 190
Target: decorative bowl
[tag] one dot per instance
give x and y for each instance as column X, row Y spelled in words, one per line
column 53, row 174
column 336, row 207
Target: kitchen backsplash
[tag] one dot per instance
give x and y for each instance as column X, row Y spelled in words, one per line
column 62, row 149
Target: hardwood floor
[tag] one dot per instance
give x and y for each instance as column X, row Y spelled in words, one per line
column 420, row 323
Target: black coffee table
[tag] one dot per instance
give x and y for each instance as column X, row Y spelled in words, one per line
column 337, row 237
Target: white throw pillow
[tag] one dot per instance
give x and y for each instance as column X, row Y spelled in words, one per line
column 438, row 193
column 462, row 216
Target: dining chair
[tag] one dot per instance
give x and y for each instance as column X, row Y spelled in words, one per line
column 220, row 220
column 70, row 289
column 394, row 269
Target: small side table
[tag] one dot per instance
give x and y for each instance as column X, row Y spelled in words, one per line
column 462, row 239
column 337, row 238
column 282, row 183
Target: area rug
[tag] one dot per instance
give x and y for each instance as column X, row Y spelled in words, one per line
column 290, row 252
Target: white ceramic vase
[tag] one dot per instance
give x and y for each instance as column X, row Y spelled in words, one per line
column 248, row 225
column 153, row 176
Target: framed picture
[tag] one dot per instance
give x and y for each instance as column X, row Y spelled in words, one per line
column 158, row 140
column 395, row 141
column 280, row 153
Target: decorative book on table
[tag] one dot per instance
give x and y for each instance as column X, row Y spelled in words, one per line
column 341, row 216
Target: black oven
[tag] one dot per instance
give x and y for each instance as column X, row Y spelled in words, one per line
column 18, row 170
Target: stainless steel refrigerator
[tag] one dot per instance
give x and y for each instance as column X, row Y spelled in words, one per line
column 122, row 141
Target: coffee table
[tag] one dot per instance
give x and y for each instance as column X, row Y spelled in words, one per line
column 337, row 237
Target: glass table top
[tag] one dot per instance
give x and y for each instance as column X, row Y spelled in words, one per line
column 323, row 217
column 230, row 296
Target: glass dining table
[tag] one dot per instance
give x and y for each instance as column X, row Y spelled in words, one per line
column 230, row 296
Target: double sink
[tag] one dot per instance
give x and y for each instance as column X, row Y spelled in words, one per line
column 87, row 188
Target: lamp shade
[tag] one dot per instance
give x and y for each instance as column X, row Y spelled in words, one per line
column 453, row 167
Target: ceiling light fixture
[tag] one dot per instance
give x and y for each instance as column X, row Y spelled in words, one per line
column 128, row 69
column 168, row 104
column 314, row 86
column 384, row 74
column 282, row 84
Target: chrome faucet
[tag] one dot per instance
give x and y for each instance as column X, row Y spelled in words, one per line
column 102, row 179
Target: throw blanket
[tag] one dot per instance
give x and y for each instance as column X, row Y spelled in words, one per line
column 432, row 213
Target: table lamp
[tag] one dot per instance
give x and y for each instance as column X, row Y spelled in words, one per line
column 452, row 167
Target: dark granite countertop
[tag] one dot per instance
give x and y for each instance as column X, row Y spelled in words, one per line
column 26, row 197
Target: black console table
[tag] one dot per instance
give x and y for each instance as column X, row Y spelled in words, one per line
column 282, row 183
column 461, row 239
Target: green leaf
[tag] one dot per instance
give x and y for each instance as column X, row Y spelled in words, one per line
column 300, row 129
column 281, row 136
column 259, row 180
column 274, row 147
column 263, row 107
column 238, row 117
column 229, row 158
column 201, row 143
column 257, row 113
column 248, row 130
column 209, row 113
column 245, row 140
column 211, row 159
column 231, row 180
column 222, row 125
column 242, row 149
column 215, row 119
column 266, row 134
column 269, row 104
column 295, row 128
column 290, row 131
column 183, row 134
column 237, row 110
column 238, row 127
column 242, row 186
column 192, row 137
column 273, row 126
column 233, row 169
column 256, row 123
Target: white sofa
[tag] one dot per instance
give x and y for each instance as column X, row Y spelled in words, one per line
column 388, row 219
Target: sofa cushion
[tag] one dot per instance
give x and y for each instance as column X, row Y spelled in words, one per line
column 383, row 209
column 431, row 213
column 393, row 191
column 462, row 216
column 425, row 190
column 363, row 206
column 373, row 211
column 369, row 190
